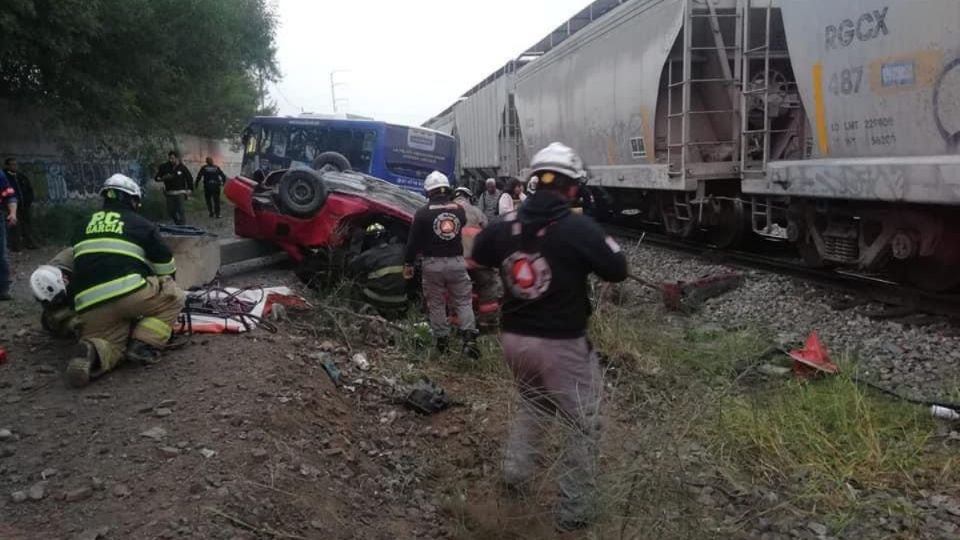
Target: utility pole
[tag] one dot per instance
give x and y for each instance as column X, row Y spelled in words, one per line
column 333, row 88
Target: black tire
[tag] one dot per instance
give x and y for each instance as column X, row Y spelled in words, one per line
column 302, row 192
column 334, row 161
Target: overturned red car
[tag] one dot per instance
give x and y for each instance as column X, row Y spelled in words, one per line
column 319, row 217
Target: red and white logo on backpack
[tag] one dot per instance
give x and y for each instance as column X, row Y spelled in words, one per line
column 446, row 226
column 528, row 275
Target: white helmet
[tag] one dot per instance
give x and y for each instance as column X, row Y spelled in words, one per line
column 47, row 283
column 558, row 158
column 122, row 183
column 436, row 180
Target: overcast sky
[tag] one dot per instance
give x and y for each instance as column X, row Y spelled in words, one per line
column 406, row 60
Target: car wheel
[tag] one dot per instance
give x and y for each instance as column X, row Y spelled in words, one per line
column 302, row 192
column 331, row 161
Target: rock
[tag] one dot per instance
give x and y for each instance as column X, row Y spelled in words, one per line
column 222, row 492
column 48, row 473
column 360, row 361
column 79, row 494
column 168, row 452
column 121, row 491
column 327, row 346
column 166, row 404
column 38, row 491
column 96, row 483
column 5, row 435
column 260, row 455
column 155, row 433
column 317, row 524
column 18, row 496
column 207, row 453
column 94, row 534
column 818, row 529
column 162, row 412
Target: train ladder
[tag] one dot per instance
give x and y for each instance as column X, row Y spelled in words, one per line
column 679, row 151
column 755, row 54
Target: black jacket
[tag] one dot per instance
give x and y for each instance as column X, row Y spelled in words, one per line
column 437, row 230
column 117, row 245
column 21, row 184
column 211, row 175
column 175, row 177
column 545, row 255
column 378, row 272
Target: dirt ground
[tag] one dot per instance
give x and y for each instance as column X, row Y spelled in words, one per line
column 236, row 437
column 246, row 437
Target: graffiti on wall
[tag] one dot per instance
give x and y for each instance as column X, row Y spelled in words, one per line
column 55, row 180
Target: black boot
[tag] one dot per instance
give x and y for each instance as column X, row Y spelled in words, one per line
column 443, row 343
column 470, row 346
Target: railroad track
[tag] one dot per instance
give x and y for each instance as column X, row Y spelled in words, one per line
column 902, row 299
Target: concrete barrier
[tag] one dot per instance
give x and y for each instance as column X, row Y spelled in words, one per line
column 198, row 258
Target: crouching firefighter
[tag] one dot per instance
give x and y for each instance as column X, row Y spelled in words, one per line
column 486, row 283
column 378, row 273
column 545, row 253
column 50, row 284
column 123, row 286
column 437, row 235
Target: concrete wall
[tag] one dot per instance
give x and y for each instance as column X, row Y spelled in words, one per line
column 56, row 179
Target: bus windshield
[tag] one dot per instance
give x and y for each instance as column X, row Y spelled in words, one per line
column 398, row 154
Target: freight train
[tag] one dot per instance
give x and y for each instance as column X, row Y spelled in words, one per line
column 833, row 125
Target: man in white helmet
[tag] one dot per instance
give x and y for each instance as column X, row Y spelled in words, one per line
column 486, row 284
column 123, row 286
column 437, row 235
column 545, row 254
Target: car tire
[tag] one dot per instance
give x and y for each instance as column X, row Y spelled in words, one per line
column 302, row 192
column 331, row 161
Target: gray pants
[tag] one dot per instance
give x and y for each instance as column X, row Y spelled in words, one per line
column 176, row 209
column 447, row 277
column 555, row 378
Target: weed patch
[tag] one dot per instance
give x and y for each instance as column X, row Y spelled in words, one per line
column 828, row 440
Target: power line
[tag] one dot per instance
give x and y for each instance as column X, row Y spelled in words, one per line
column 287, row 100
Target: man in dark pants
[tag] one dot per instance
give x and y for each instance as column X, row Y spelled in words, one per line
column 545, row 253
column 20, row 236
column 177, row 186
column 8, row 197
column 213, row 178
column 437, row 234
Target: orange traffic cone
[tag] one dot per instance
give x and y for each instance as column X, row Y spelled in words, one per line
column 812, row 359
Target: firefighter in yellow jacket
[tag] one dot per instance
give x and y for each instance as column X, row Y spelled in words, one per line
column 123, row 286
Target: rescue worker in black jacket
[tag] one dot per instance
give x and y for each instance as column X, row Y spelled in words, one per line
column 123, row 286
column 378, row 272
column 545, row 253
column 213, row 178
column 177, row 186
column 437, row 234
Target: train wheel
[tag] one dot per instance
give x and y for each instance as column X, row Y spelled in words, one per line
column 727, row 224
column 673, row 225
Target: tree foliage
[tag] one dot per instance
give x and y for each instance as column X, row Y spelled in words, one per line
column 152, row 68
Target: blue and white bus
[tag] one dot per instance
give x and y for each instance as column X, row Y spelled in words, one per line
column 401, row 155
